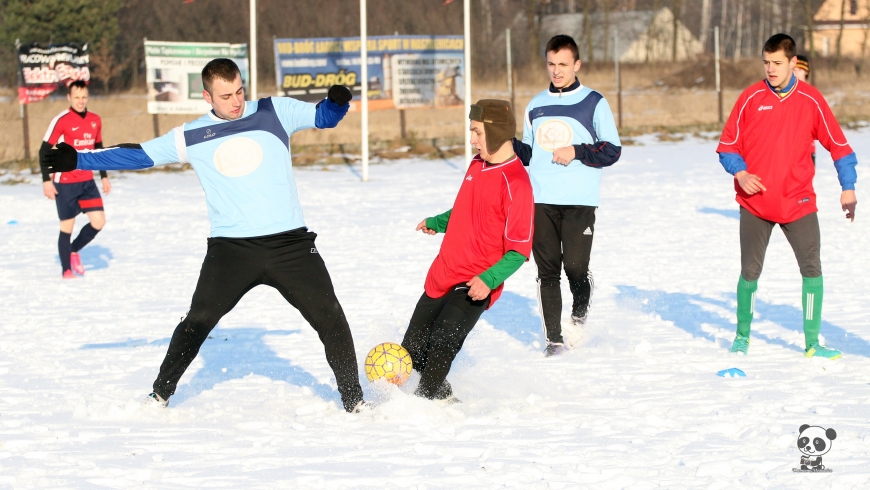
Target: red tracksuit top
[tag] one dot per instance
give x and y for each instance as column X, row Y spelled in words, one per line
column 774, row 136
column 493, row 214
column 80, row 132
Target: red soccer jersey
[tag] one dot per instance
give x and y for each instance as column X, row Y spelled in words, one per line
column 493, row 214
column 775, row 137
column 82, row 132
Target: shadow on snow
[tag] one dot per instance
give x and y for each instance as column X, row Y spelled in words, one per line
column 687, row 312
column 242, row 351
column 93, row 257
column 728, row 213
column 517, row 316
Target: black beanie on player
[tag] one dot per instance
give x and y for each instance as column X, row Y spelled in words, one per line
column 499, row 123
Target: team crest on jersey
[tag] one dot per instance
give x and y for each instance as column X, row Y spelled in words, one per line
column 554, row 134
column 94, row 124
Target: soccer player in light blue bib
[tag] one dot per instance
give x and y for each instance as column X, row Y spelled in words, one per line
column 241, row 153
column 568, row 136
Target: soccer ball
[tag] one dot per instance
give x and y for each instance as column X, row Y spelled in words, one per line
column 389, row 361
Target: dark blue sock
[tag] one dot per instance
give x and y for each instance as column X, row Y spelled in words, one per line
column 63, row 249
column 87, row 234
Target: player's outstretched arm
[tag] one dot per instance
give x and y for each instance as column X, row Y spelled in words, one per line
column 65, row 158
column 333, row 109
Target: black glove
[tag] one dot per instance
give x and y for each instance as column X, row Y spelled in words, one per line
column 62, row 159
column 339, row 95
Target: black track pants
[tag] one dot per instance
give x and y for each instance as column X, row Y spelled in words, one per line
column 290, row 263
column 563, row 235
column 435, row 335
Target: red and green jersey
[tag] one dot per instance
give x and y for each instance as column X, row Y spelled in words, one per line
column 774, row 135
column 493, row 214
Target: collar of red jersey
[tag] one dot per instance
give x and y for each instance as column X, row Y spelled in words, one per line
column 487, row 166
column 790, row 88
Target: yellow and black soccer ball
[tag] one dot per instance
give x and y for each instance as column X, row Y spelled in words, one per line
column 389, row 361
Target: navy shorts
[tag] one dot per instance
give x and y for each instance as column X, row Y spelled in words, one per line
column 77, row 197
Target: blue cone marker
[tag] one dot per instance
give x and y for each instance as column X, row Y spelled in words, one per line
column 731, row 373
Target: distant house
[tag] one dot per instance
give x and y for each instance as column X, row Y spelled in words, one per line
column 856, row 28
column 644, row 35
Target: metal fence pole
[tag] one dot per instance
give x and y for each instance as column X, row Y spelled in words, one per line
column 25, row 122
column 252, row 70
column 466, row 21
column 364, row 74
column 718, row 80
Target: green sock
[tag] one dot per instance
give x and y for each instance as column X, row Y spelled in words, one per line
column 745, row 305
column 813, row 291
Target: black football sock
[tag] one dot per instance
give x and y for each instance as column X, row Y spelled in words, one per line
column 87, row 234
column 63, row 249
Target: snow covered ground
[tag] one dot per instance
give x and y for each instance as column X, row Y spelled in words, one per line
column 637, row 403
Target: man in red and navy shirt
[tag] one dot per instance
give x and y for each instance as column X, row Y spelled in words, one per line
column 75, row 192
column 767, row 146
column 488, row 237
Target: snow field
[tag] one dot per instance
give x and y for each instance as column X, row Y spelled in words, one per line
column 636, row 403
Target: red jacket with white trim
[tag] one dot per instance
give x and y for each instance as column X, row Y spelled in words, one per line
column 774, row 136
column 493, row 214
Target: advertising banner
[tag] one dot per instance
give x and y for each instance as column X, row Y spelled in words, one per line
column 44, row 69
column 404, row 71
column 173, row 73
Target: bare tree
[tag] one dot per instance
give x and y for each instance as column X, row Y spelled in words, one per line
column 748, row 23
column 762, row 19
column 487, row 16
column 651, row 32
column 706, row 12
column 738, row 41
column 808, row 12
column 727, row 27
column 103, row 63
column 604, row 6
column 677, row 9
column 840, row 34
column 533, row 27
column 587, row 28
column 866, row 29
